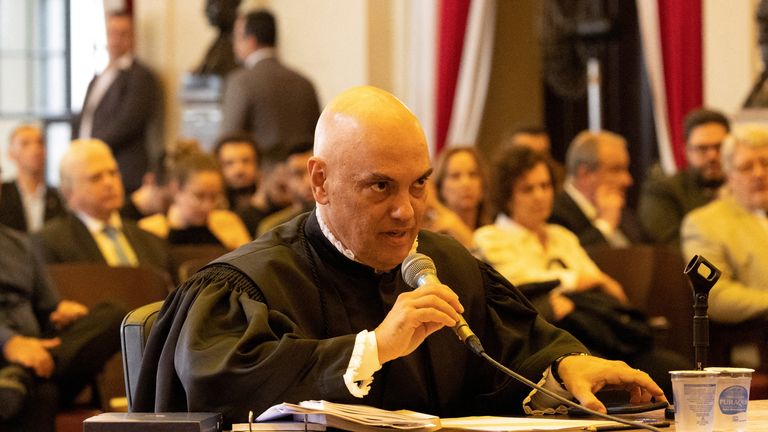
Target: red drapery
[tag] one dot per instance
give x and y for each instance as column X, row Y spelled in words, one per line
column 451, row 26
column 681, row 42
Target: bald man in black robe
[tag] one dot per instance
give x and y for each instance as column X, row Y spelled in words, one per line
column 318, row 309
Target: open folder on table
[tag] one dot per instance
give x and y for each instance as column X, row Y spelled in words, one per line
column 361, row 418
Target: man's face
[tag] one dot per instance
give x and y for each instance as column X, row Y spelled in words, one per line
column 613, row 168
column 703, row 150
column 119, row 36
column 97, row 189
column 238, row 165
column 28, row 150
column 375, row 193
column 299, row 182
column 748, row 179
column 242, row 44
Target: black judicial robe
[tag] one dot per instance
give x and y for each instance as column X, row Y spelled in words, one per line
column 275, row 321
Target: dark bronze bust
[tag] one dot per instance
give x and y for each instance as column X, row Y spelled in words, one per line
column 758, row 97
column 220, row 60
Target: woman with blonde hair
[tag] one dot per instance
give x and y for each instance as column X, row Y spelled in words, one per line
column 458, row 202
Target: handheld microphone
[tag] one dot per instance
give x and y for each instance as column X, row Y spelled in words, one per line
column 418, row 270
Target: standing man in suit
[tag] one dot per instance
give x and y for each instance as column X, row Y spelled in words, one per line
column 592, row 203
column 274, row 103
column 27, row 202
column 664, row 201
column 94, row 231
column 732, row 231
column 123, row 106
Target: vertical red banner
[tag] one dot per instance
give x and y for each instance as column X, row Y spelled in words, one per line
column 450, row 39
column 680, row 22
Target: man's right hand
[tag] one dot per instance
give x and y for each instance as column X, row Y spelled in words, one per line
column 32, row 353
column 416, row 315
column 609, row 202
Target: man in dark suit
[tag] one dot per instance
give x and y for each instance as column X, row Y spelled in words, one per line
column 94, row 231
column 592, row 203
column 274, row 103
column 27, row 202
column 123, row 106
column 665, row 200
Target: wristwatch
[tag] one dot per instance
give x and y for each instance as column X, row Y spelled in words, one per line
column 556, row 365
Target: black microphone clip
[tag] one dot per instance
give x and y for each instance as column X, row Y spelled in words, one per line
column 702, row 276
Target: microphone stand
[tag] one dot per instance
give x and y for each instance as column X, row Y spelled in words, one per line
column 701, row 283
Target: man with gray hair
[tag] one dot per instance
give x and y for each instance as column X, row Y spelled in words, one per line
column 592, row 204
column 93, row 231
column 727, row 230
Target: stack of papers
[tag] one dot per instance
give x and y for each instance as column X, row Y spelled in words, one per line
column 352, row 417
column 316, row 415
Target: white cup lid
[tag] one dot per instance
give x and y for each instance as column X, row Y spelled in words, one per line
column 693, row 374
column 731, row 371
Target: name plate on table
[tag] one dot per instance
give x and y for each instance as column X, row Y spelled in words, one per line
column 154, row 422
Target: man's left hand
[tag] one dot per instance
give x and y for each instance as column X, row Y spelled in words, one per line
column 586, row 375
column 66, row 313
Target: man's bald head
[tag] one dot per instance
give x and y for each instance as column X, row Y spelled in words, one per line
column 361, row 111
column 90, row 180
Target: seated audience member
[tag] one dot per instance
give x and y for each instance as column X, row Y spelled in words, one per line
column 318, row 309
column 457, row 204
column 197, row 187
column 300, row 190
column 272, row 196
column 664, row 201
column 93, row 230
column 537, row 139
column 525, row 249
column 592, row 204
column 732, row 231
column 28, row 202
column 154, row 196
column 51, row 348
column 239, row 162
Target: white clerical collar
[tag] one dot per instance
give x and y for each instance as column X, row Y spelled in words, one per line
column 257, row 56
column 581, row 201
column 341, row 248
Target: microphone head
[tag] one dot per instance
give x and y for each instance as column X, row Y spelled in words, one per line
column 416, row 265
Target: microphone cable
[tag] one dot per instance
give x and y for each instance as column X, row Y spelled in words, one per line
column 419, row 269
column 559, row 398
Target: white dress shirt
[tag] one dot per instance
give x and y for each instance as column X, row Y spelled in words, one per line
column 516, row 253
column 34, row 206
column 615, row 237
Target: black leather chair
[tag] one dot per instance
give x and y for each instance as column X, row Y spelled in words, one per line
column 134, row 332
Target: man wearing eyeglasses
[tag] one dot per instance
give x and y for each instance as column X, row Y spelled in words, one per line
column 664, row 201
column 731, row 232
